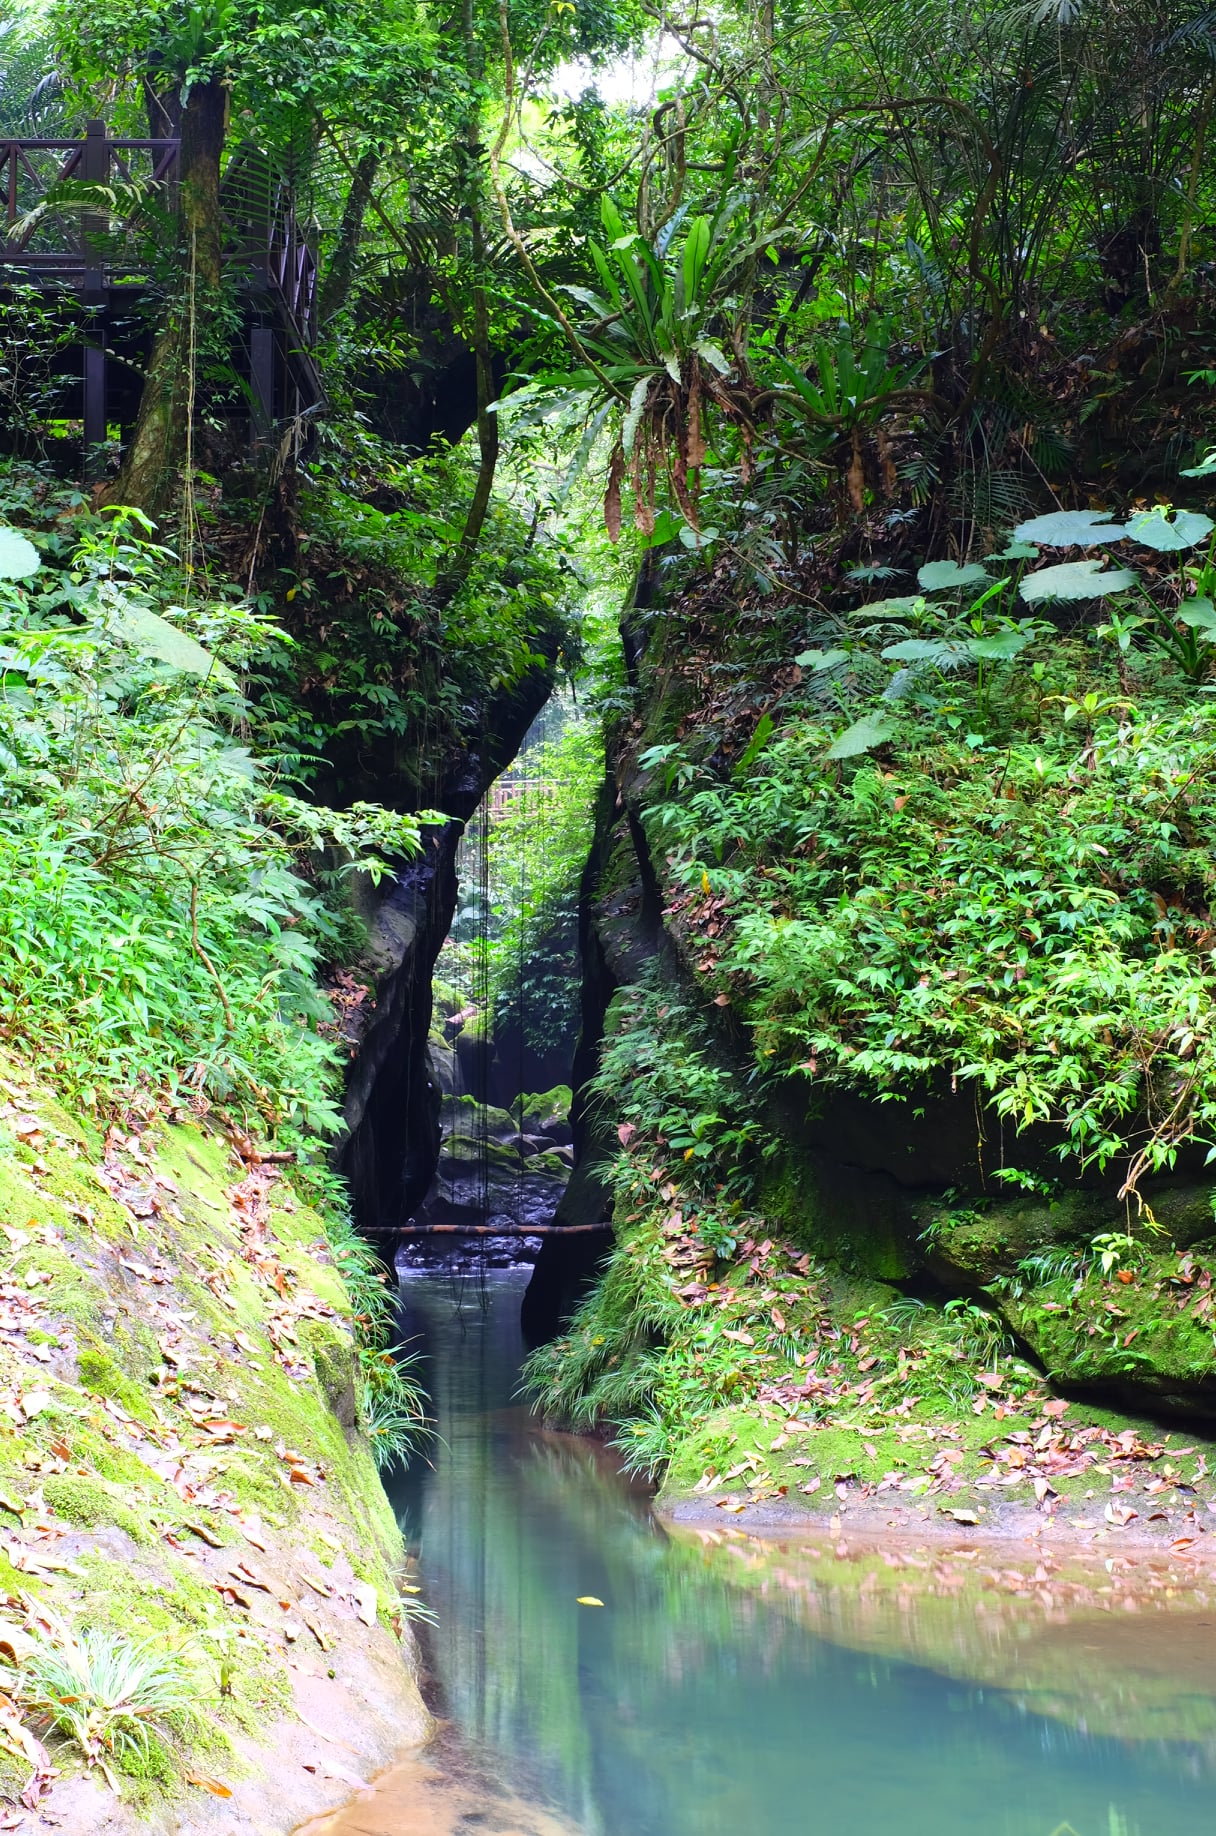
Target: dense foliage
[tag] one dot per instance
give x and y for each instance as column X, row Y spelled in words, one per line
column 999, row 872
column 156, row 928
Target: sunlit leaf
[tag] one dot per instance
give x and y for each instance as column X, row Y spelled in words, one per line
column 821, row 659
column 1016, row 551
column 18, row 558
column 1200, row 615
column 937, row 576
column 154, row 636
column 870, row 731
column 1001, row 646
column 1070, row 529
column 713, row 355
column 902, row 602
column 1076, row 580
column 1154, row 529
column 924, row 650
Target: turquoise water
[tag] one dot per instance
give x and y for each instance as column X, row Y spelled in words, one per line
column 726, row 1688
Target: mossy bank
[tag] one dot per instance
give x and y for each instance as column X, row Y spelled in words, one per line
column 181, row 1469
column 903, row 1084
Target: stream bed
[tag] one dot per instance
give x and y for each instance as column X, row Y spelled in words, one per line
column 736, row 1686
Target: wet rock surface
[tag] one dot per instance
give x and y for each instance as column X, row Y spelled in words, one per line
column 490, row 1175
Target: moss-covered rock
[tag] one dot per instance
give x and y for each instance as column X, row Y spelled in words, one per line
column 179, row 1430
column 333, row 1358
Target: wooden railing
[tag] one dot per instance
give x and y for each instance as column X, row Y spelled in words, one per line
column 68, row 244
column 92, row 245
column 71, row 246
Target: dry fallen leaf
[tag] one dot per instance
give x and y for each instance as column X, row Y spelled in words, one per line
column 243, row 1574
column 316, row 1631
column 366, row 1602
column 207, row 1535
column 214, row 1786
column 342, row 1773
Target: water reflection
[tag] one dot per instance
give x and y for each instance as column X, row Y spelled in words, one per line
column 728, row 1687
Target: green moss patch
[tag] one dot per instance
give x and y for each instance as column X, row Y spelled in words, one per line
column 178, row 1375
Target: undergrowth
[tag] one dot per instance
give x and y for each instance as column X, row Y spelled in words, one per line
column 158, row 925
column 107, row 1694
column 383, row 661
column 702, row 1308
column 1001, row 880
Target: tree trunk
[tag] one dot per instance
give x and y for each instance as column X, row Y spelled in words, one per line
column 487, row 424
column 151, row 467
column 335, row 290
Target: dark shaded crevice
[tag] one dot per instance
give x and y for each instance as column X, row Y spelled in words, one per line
column 391, row 1149
column 567, row 1266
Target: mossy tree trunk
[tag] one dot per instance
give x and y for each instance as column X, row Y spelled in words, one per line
column 457, row 573
column 151, row 467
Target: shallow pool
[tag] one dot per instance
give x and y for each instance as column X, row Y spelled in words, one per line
column 729, row 1686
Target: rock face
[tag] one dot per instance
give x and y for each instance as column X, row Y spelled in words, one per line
column 392, row 1105
column 490, row 1174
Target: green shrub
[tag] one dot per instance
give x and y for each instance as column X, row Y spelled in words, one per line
column 155, row 925
column 1024, row 912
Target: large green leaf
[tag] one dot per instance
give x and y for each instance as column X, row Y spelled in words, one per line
column 901, row 602
column 1000, row 647
column 18, row 558
column 1076, row 580
column 1070, row 529
column 696, row 249
column 714, row 355
column 1154, row 529
column 937, row 576
column 758, row 741
column 816, row 660
column 1016, row 551
column 153, row 636
column 926, row 650
column 870, row 731
column 1200, row 615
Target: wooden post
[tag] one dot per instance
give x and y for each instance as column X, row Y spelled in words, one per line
column 95, row 170
column 94, row 398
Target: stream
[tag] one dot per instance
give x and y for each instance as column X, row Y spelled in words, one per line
column 734, row 1686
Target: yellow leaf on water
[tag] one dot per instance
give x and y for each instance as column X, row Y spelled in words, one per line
column 589, row 1600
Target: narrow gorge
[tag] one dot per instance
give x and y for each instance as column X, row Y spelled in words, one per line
column 607, row 1041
